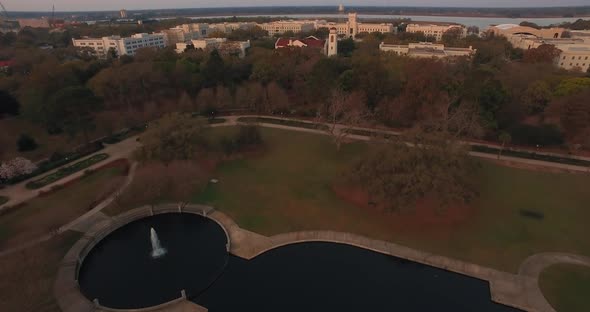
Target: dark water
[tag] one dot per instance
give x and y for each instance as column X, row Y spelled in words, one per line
column 301, row 277
column 120, row 272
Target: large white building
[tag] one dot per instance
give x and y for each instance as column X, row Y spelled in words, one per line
column 229, row 27
column 185, row 33
column 280, row 27
column 224, row 46
column 350, row 28
column 436, row 31
column 426, row 50
column 121, row 45
column 574, row 52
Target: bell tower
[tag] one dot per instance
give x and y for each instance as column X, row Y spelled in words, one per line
column 353, row 26
column 333, row 42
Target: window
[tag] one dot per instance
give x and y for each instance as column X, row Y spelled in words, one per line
column 564, row 57
column 561, row 64
column 573, row 57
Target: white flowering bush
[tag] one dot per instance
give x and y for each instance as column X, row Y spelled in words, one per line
column 16, row 167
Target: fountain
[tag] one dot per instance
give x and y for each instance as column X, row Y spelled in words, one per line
column 157, row 250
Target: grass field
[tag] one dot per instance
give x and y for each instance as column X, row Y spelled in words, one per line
column 27, row 277
column 291, row 187
column 564, row 286
column 44, row 214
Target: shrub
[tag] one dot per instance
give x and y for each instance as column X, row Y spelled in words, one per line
column 545, row 135
column 26, row 143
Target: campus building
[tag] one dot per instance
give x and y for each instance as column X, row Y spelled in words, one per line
column 508, row 30
column 574, row 52
column 350, row 28
column 426, row 50
column 224, row 46
column 280, row 27
column 121, row 45
column 185, row 33
column 353, row 27
column 229, row 27
column 574, row 56
column 436, row 31
column 310, row 42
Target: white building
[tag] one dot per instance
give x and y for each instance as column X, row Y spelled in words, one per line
column 224, row 46
column 436, row 31
column 185, row 33
column 353, row 27
column 229, row 27
column 574, row 56
column 122, row 46
column 426, row 50
column 123, row 13
column 280, row 27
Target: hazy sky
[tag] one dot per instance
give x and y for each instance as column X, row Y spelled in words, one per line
column 88, row 5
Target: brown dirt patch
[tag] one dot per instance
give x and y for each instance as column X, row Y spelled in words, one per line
column 425, row 218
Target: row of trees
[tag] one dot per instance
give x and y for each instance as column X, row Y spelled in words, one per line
column 514, row 92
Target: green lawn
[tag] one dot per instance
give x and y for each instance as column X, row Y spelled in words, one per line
column 563, row 286
column 289, row 188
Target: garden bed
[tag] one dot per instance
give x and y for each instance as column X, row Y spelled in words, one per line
column 284, row 122
column 66, row 171
column 58, row 160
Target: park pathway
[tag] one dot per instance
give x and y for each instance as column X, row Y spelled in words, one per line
column 83, row 222
column 19, row 193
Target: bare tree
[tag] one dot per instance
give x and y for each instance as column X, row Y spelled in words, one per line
column 344, row 112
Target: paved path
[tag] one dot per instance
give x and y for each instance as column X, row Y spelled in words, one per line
column 233, row 120
column 18, row 193
column 83, row 222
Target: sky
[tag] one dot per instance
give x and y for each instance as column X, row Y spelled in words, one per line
column 90, row 5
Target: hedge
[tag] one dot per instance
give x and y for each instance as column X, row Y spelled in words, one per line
column 66, row 171
column 284, row 122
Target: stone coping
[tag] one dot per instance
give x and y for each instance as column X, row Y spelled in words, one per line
column 516, row 290
column 67, row 289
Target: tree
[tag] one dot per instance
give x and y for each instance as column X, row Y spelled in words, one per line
column 8, row 104
column 572, row 86
column 344, row 112
column 16, row 167
column 505, row 138
column 573, row 112
column 452, row 37
column 545, row 53
column 72, row 109
column 213, row 70
column 537, row 96
column 422, row 164
column 175, row 136
column 26, row 143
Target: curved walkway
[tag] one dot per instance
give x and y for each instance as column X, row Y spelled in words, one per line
column 85, row 218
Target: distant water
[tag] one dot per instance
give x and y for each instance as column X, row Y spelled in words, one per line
column 481, row 22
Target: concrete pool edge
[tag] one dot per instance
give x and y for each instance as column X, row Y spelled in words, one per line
column 519, row 291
